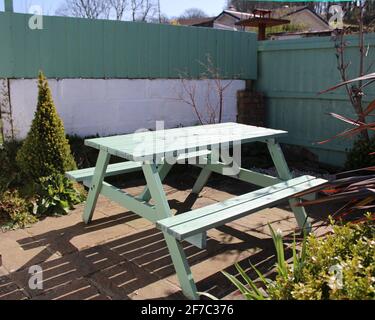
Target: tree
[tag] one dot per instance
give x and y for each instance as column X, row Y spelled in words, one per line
column 162, row 18
column 119, row 7
column 91, row 9
column 249, row 5
column 46, row 150
column 211, row 110
column 142, row 10
column 193, row 13
column 136, row 10
column 320, row 7
column 355, row 93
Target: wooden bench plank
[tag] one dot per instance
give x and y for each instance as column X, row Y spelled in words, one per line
column 112, row 170
column 125, row 167
column 200, row 220
column 200, row 212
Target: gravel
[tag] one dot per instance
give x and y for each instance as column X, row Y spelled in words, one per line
column 295, row 173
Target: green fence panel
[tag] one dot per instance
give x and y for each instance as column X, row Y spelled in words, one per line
column 83, row 48
column 292, row 73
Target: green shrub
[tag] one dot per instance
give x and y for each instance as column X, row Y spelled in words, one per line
column 349, row 250
column 56, row 196
column 5, row 177
column 84, row 156
column 46, row 150
column 286, row 28
column 15, row 212
column 360, row 155
column 10, row 172
column 340, row 266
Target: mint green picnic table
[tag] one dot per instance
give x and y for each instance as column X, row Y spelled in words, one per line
column 154, row 153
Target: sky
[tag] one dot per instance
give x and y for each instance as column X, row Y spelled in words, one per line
column 171, row 8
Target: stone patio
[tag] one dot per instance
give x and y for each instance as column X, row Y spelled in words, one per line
column 121, row 256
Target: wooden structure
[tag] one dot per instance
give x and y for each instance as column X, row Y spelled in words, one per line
column 262, row 20
column 156, row 152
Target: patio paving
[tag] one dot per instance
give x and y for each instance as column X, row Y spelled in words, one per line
column 122, row 256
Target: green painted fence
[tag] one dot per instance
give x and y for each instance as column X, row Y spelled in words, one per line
column 82, row 48
column 291, row 73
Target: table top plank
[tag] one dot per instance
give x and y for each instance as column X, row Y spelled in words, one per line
column 148, row 145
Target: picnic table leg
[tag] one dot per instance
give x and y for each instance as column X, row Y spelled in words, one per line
column 175, row 248
column 205, row 173
column 202, row 180
column 163, row 170
column 285, row 174
column 96, row 185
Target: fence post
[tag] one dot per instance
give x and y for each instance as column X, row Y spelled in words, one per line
column 8, row 5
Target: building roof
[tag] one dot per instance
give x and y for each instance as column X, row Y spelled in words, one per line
column 194, row 21
column 287, row 11
column 325, row 32
column 237, row 14
column 280, row 13
column 255, row 22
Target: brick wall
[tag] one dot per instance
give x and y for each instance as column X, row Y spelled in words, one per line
column 251, row 108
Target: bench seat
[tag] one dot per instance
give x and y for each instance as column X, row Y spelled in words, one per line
column 197, row 222
column 112, row 170
column 85, row 175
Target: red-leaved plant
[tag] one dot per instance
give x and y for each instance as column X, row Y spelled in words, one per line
column 355, row 190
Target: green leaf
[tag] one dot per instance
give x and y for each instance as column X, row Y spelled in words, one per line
column 208, row 295
column 240, row 286
column 250, row 283
column 260, row 275
column 279, row 246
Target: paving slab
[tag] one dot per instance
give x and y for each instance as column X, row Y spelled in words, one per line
column 15, row 256
column 8, row 289
column 121, row 256
column 80, row 289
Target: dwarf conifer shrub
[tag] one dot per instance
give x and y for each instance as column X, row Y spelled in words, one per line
column 46, row 150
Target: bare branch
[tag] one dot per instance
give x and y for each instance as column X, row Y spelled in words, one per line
column 119, row 7
column 139, row 10
column 143, row 10
column 91, row 9
column 214, row 109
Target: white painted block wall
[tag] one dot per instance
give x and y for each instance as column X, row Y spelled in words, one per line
column 113, row 106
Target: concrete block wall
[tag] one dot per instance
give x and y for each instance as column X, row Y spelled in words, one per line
column 115, row 106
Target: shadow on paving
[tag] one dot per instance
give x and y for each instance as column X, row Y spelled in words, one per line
column 140, row 261
column 120, row 267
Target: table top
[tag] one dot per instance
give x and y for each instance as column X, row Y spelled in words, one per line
column 146, row 146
